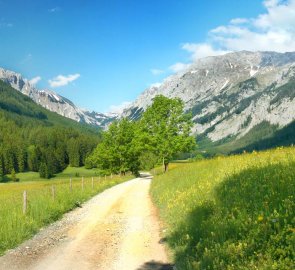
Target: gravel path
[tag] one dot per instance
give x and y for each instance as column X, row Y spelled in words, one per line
column 117, row 229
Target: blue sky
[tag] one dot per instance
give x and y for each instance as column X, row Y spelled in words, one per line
column 104, row 53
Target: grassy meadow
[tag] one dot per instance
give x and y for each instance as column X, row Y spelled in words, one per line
column 233, row 212
column 69, row 172
column 43, row 206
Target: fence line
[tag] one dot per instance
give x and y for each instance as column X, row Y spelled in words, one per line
column 25, row 202
column 53, row 190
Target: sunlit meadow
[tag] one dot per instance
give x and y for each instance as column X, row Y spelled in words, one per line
column 233, row 212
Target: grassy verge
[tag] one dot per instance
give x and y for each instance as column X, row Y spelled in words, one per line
column 232, row 212
column 158, row 170
column 43, row 209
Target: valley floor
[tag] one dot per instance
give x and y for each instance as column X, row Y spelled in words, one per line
column 117, row 229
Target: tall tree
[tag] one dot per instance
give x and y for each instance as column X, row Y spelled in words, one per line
column 164, row 129
column 34, row 155
column 74, row 152
column 116, row 152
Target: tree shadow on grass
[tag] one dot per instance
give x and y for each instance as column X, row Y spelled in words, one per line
column 153, row 265
column 241, row 212
column 5, row 179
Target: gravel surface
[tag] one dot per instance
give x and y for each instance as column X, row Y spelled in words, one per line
column 117, row 229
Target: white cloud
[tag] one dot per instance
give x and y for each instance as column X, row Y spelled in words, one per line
column 201, row 50
column 26, row 59
column 53, row 10
column 239, row 21
column 62, row 80
column 270, row 3
column 157, row 84
column 274, row 30
column 35, row 80
column 155, row 71
column 118, row 109
column 179, row 67
column 6, row 25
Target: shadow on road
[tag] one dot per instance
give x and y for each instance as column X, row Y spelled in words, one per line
column 153, row 265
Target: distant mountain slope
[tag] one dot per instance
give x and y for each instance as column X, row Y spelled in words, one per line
column 14, row 104
column 54, row 102
column 282, row 137
column 236, row 97
column 231, row 94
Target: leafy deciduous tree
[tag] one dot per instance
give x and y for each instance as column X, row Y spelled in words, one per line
column 165, row 130
column 116, row 152
column 161, row 133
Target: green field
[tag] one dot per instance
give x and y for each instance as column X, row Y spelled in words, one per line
column 69, row 172
column 233, row 212
column 43, row 207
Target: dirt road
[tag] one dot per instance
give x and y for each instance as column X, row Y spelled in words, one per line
column 117, row 229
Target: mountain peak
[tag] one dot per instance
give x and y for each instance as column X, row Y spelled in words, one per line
column 230, row 94
column 53, row 101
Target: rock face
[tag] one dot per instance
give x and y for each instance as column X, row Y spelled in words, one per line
column 54, row 102
column 230, row 94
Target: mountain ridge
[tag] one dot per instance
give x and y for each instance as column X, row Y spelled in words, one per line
column 54, row 102
column 230, row 94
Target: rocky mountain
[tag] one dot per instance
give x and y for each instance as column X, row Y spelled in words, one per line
column 231, row 94
column 54, row 102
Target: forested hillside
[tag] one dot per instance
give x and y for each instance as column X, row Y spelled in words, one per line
column 35, row 139
column 261, row 137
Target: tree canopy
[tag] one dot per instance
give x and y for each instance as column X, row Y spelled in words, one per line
column 165, row 129
column 116, row 152
column 162, row 132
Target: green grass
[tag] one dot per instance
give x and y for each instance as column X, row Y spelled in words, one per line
column 173, row 165
column 27, row 176
column 15, row 227
column 77, row 171
column 69, row 172
column 232, row 212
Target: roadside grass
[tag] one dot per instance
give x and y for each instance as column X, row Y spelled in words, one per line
column 233, row 212
column 158, row 170
column 43, row 208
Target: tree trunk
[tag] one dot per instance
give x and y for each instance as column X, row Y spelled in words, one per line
column 166, row 167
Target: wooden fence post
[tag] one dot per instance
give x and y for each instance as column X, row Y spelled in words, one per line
column 53, row 192
column 111, row 175
column 25, row 202
column 92, row 183
column 71, row 185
